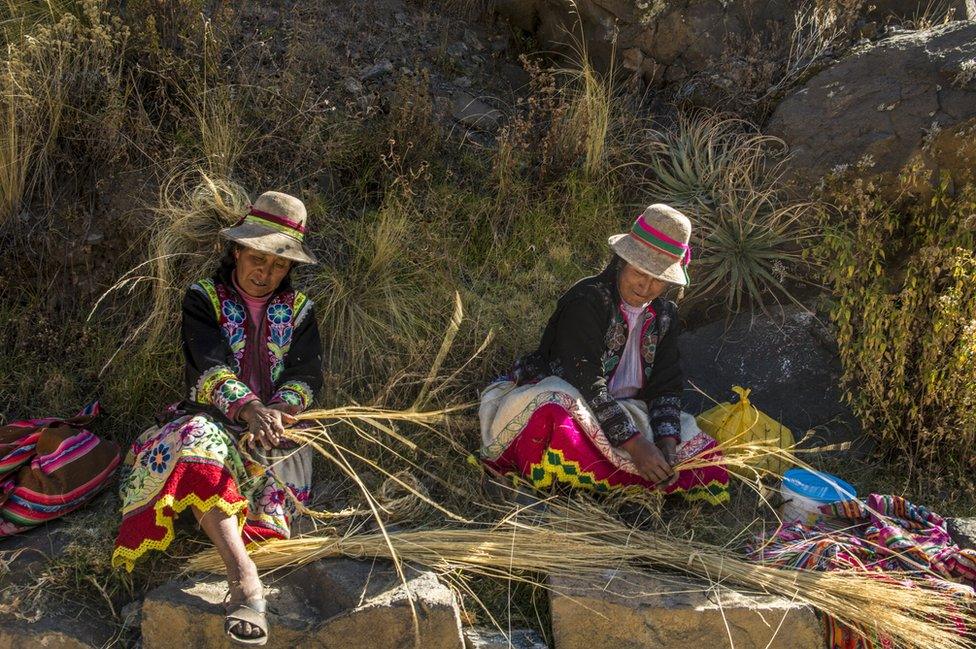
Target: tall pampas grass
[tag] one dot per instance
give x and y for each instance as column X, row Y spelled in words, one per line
column 376, row 296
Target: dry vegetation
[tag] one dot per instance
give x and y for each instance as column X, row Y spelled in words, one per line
column 145, row 129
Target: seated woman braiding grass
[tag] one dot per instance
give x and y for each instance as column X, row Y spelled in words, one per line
column 598, row 404
column 253, row 359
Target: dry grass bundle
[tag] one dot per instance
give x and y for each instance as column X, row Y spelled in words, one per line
column 363, row 419
column 818, row 30
column 579, row 539
column 748, row 458
column 193, row 207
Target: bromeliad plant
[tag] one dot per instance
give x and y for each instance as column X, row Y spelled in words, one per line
column 728, row 179
column 751, row 247
column 697, row 161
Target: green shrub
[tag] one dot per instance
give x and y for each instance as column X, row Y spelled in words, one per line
column 905, row 285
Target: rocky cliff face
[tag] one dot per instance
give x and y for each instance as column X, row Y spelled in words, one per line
column 668, row 40
column 661, row 40
column 865, row 88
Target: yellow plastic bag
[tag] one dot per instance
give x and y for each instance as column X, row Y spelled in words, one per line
column 741, row 422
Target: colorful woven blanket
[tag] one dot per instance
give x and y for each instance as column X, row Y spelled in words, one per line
column 878, row 534
column 49, row 467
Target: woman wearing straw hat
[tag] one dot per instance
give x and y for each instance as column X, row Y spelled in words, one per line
column 598, row 404
column 253, row 359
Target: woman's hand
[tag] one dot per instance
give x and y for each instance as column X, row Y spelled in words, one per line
column 651, row 462
column 267, row 425
column 669, row 448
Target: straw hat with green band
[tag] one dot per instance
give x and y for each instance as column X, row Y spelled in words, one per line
column 276, row 224
column 658, row 244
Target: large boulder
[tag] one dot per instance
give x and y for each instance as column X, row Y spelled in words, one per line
column 673, row 612
column 914, row 10
column 963, row 532
column 329, row 603
column 661, row 41
column 906, row 101
column 788, row 360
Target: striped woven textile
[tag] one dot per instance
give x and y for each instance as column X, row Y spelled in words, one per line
column 50, row 467
column 878, row 534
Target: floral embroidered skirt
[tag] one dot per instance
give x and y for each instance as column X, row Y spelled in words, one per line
column 194, row 460
column 544, row 433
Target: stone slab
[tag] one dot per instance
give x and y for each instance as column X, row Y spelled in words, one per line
column 674, row 612
column 335, row 603
column 53, row 632
column 481, row 637
column 24, row 554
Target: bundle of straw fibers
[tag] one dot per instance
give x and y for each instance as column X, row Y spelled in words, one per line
column 579, row 539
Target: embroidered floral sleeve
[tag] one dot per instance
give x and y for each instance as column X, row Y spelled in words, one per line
column 297, row 394
column 301, row 376
column 208, row 372
column 220, row 387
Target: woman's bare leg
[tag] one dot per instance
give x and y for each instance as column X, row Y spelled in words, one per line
column 242, row 574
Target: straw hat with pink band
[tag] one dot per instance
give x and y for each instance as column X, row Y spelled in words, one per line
column 658, row 244
column 276, row 224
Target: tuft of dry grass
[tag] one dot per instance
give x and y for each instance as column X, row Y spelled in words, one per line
column 18, row 140
column 60, row 89
column 377, row 298
column 184, row 244
column 587, row 124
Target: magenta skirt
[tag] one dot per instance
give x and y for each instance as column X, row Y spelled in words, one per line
column 553, row 447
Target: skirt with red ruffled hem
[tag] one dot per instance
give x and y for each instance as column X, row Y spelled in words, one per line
column 195, row 461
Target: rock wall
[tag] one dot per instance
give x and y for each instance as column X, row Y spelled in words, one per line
column 661, row 40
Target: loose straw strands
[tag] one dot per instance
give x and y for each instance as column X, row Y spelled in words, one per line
column 575, row 540
column 358, row 419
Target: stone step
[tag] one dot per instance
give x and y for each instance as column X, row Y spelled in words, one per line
column 662, row 611
column 482, row 637
column 329, row 603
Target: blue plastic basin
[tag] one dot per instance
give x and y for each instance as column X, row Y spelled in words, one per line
column 818, row 486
